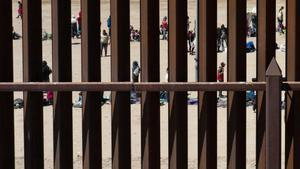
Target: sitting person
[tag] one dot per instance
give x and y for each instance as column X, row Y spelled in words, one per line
column 15, row 35
column 48, row 98
column 78, row 103
column 250, row 47
column 136, row 35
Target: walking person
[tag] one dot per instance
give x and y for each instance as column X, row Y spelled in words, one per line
column 20, row 10
column 223, row 37
column 74, row 27
column 220, row 76
column 280, row 26
column 104, row 42
column 191, row 46
column 135, row 71
column 164, row 28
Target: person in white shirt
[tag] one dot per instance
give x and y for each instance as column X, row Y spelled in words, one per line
column 74, row 27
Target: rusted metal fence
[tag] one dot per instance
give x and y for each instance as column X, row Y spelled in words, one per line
column 269, row 86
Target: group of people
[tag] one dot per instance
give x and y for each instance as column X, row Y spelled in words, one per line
column 135, row 35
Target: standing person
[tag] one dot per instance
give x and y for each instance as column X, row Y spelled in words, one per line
column 191, row 46
column 20, row 10
column 79, row 21
column 220, row 76
column 223, row 37
column 135, row 71
column 104, row 42
column 46, row 71
column 109, row 25
column 280, row 20
column 74, row 27
column 164, row 28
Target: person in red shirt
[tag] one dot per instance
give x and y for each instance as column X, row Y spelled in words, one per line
column 79, row 21
column 220, row 76
column 20, row 10
column 164, row 28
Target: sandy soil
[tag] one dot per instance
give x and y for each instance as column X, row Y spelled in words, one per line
column 135, row 116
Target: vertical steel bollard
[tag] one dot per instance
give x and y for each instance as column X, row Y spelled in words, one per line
column 292, row 115
column 7, row 147
column 236, row 72
column 266, row 12
column 273, row 116
column 150, row 122
column 33, row 101
column 62, row 72
column 207, row 61
column 91, row 72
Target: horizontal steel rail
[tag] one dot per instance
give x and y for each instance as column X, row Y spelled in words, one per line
column 291, row 86
column 127, row 86
column 149, row 86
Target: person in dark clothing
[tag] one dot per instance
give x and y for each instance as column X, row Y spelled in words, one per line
column 191, row 46
column 280, row 26
column 15, row 35
column 223, row 37
column 135, row 71
column 46, row 71
column 74, row 28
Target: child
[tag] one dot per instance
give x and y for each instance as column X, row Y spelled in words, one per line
column 220, row 76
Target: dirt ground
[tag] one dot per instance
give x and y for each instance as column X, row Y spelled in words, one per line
column 135, row 115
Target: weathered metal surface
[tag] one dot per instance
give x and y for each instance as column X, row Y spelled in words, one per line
column 150, row 73
column 177, row 73
column 236, row 127
column 292, row 135
column 32, row 72
column 7, row 158
column 147, row 86
column 120, row 63
column 92, row 142
column 273, row 116
column 291, row 86
column 265, row 52
column 207, row 118
column 62, row 72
